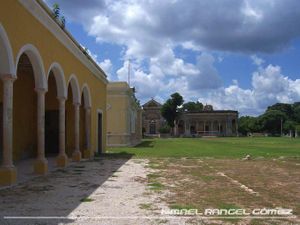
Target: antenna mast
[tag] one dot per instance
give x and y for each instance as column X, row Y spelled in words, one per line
column 129, row 72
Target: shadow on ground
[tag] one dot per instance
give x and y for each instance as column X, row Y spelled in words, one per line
column 60, row 192
column 145, row 144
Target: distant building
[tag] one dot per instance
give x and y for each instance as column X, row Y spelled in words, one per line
column 124, row 116
column 208, row 122
column 152, row 118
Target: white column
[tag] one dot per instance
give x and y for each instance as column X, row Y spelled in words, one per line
column 62, row 125
column 41, row 123
column 188, row 128
column 77, row 153
column 175, row 128
column 41, row 166
column 62, row 157
column 88, row 127
column 7, row 121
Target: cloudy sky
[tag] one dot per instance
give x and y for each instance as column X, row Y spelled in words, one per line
column 233, row 54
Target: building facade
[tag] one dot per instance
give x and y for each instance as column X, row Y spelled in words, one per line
column 152, row 118
column 208, row 123
column 53, row 101
column 124, row 116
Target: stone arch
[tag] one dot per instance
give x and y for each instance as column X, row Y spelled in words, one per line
column 37, row 64
column 59, row 78
column 73, row 81
column 87, row 96
column 7, row 65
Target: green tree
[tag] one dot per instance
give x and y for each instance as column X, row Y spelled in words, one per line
column 56, row 10
column 170, row 110
column 296, row 112
column 287, row 109
column 249, row 124
column 192, row 107
column 271, row 121
column 289, row 125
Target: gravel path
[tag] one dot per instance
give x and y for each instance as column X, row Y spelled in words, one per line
column 104, row 191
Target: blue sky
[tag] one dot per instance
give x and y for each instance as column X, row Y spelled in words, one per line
column 234, row 54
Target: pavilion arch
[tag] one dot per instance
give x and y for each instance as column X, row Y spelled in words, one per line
column 7, row 65
column 85, row 121
column 59, row 78
column 37, row 65
column 87, row 96
column 75, row 88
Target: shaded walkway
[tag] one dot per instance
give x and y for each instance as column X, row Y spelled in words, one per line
column 60, row 192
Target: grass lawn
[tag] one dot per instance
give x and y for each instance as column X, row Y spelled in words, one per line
column 214, row 147
column 201, row 173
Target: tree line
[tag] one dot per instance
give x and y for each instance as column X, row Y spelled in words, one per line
column 278, row 119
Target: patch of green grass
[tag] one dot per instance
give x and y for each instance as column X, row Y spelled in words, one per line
column 156, row 186
column 145, row 206
column 86, row 199
column 227, row 206
column 152, row 176
column 238, row 147
column 199, row 174
column 207, row 178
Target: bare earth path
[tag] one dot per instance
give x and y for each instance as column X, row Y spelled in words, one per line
column 121, row 191
column 105, row 191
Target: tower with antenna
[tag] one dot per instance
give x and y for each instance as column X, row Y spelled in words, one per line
column 128, row 78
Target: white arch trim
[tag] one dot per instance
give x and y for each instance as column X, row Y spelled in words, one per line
column 73, row 81
column 86, row 95
column 59, row 78
column 7, row 65
column 37, row 65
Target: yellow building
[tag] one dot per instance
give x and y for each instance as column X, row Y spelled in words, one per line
column 124, row 116
column 53, row 100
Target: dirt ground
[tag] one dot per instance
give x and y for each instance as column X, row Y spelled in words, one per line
column 134, row 191
column 232, row 184
column 105, row 191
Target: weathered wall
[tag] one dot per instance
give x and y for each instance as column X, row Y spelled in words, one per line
column 22, row 28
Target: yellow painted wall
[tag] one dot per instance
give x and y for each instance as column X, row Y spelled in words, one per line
column 24, row 117
column 25, row 29
column 117, row 114
column 120, row 102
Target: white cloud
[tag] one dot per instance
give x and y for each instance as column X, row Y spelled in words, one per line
column 269, row 86
column 256, row 60
column 107, row 66
column 146, row 27
column 207, row 77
